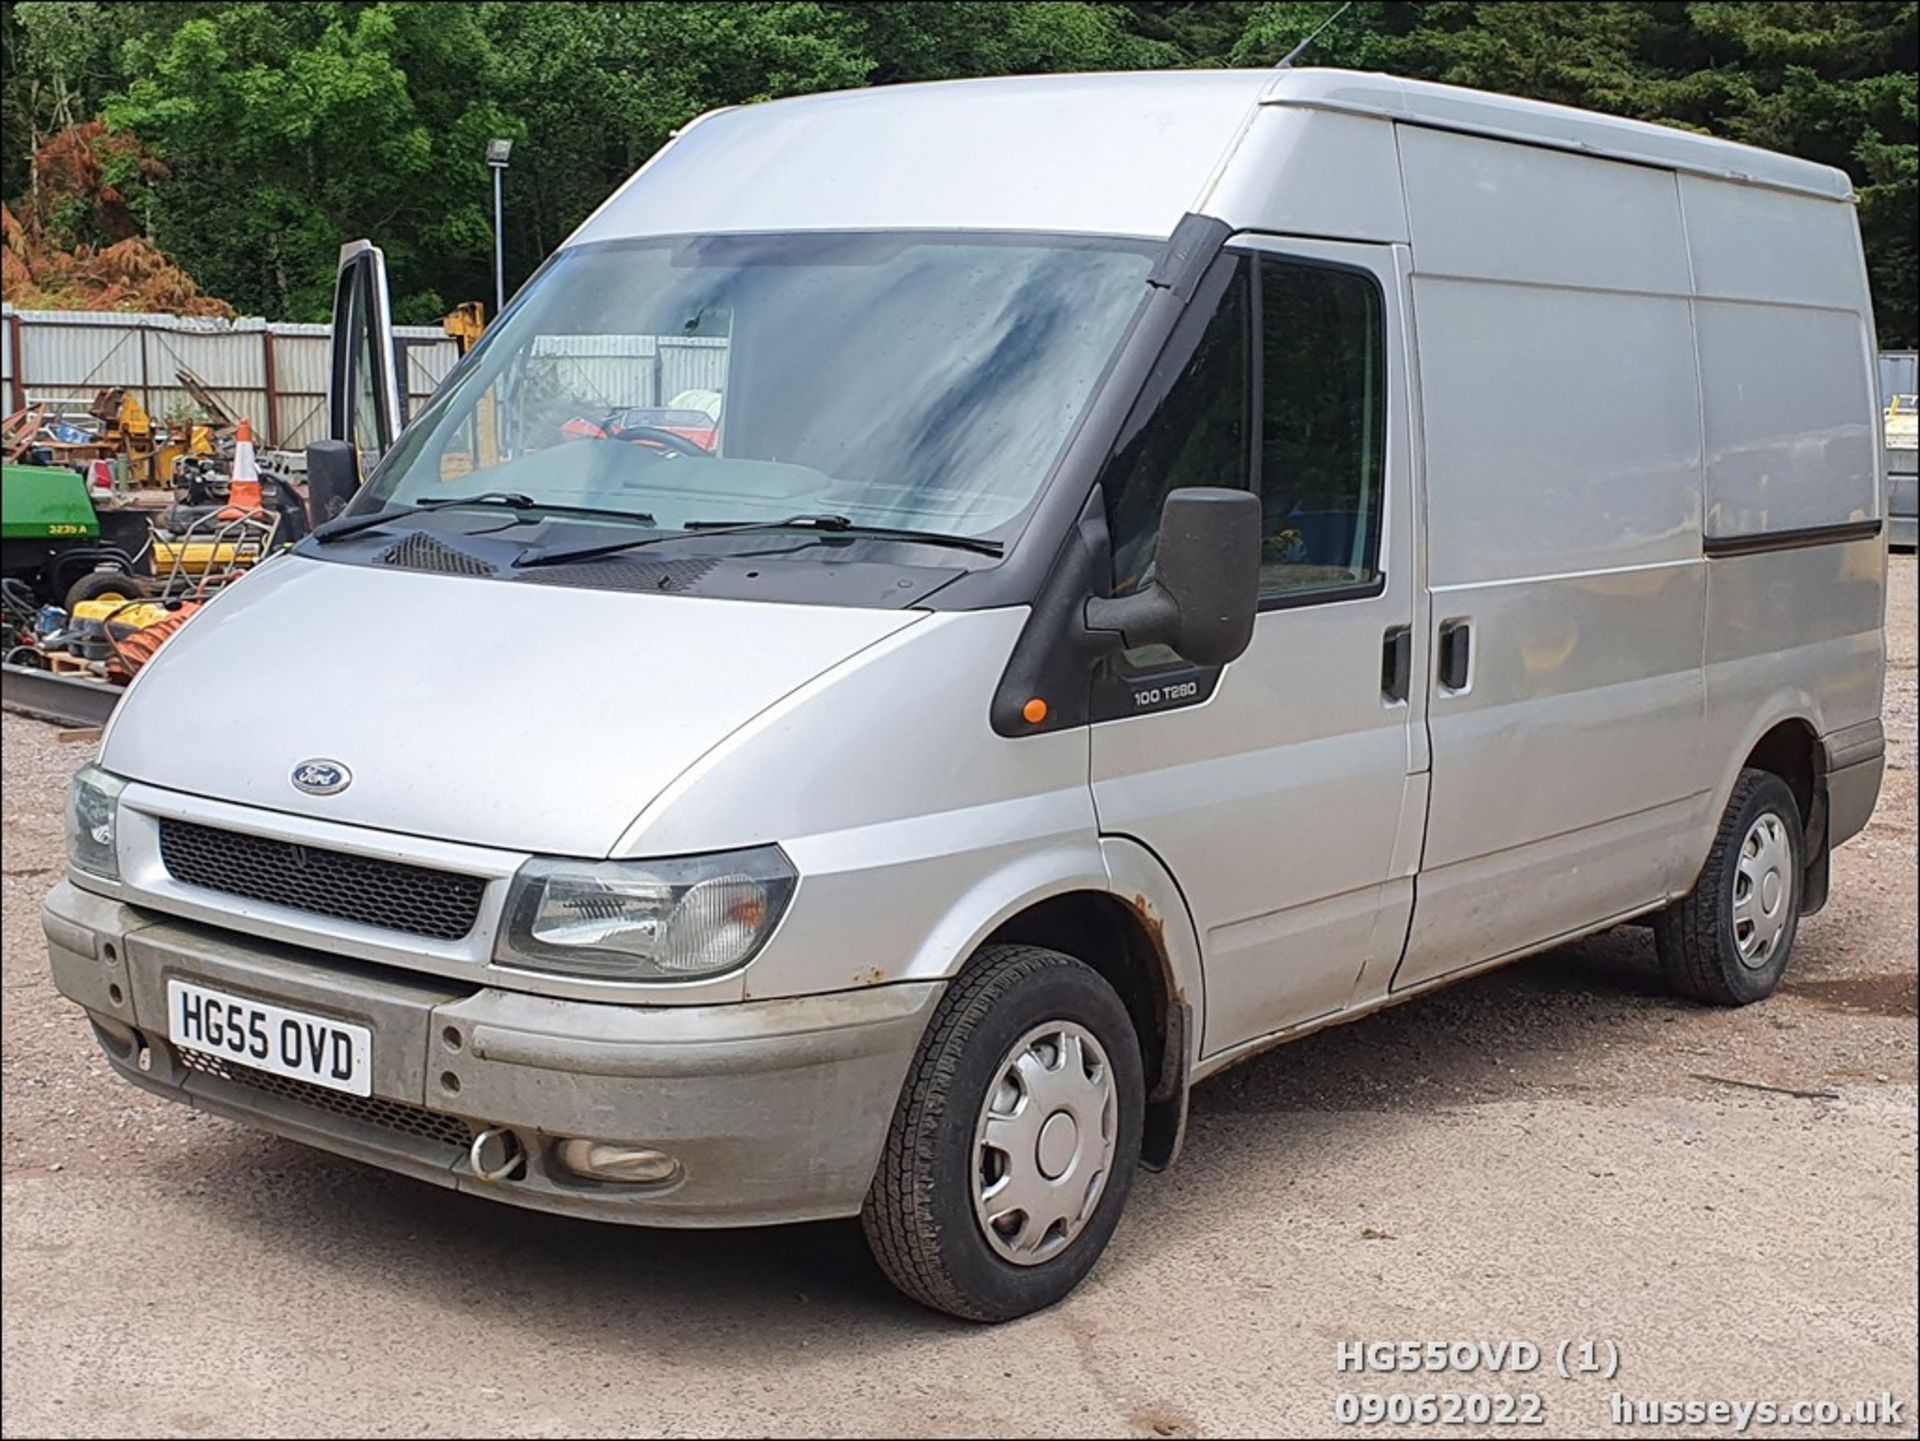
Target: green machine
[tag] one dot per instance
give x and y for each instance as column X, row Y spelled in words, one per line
column 49, row 534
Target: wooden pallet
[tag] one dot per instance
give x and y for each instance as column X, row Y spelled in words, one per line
column 61, row 663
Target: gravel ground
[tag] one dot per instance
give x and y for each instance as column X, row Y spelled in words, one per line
column 1538, row 1154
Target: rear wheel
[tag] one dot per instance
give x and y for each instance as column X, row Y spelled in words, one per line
column 1014, row 1142
column 1727, row 942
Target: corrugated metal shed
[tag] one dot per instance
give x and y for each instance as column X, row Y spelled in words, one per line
column 610, row 371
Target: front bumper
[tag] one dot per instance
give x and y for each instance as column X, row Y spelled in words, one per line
column 777, row 1110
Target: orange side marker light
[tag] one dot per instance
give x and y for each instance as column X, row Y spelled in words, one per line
column 1034, row 711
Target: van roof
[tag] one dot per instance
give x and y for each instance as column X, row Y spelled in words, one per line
column 1116, row 154
column 1534, row 122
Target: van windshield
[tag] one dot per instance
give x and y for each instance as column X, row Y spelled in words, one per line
column 909, row 381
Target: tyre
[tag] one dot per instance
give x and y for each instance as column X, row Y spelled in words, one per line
column 1727, row 941
column 102, row 585
column 1014, row 1141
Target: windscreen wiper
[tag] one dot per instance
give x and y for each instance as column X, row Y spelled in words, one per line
column 353, row 524
column 841, row 525
column 501, row 499
column 832, row 524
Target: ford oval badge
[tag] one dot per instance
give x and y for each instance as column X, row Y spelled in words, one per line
column 321, row 778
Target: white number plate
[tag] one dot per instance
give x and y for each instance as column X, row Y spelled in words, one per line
column 322, row 1052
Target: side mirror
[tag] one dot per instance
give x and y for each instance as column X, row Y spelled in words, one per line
column 1206, row 587
column 333, row 477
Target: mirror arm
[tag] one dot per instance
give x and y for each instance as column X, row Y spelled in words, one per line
column 1147, row 617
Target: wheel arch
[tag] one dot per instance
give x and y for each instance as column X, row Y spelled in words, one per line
column 1117, row 909
column 1791, row 749
column 1785, row 740
column 1136, row 932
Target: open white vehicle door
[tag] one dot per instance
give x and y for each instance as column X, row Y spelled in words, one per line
column 363, row 385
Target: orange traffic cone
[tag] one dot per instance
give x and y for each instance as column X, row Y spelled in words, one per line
column 243, row 490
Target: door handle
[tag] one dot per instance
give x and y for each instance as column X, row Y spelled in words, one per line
column 1396, row 665
column 1456, row 654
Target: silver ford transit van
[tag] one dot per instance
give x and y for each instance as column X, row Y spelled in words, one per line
column 945, row 615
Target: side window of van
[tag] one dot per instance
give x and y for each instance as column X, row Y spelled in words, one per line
column 1194, row 432
column 1322, row 427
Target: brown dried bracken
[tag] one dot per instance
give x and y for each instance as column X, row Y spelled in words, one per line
column 77, row 244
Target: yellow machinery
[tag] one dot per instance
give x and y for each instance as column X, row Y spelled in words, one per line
column 465, row 324
column 133, row 614
column 127, row 433
column 197, row 557
column 212, row 548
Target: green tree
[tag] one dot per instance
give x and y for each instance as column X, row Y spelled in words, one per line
column 286, row 128
column 910, row 41
column 1204, row 32
column 1833, row 83
column 598, row 88
column 55, row 56
column 289, row 128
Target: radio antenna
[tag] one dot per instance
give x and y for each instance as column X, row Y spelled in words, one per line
column 1300, row 49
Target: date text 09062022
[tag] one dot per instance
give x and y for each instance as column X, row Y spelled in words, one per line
column 1440, row 1408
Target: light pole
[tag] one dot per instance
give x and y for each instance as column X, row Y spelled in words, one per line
column 497, row 153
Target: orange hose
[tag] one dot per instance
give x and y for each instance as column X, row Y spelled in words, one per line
column 137, row 649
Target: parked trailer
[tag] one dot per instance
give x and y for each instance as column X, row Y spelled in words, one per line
column 62, row 699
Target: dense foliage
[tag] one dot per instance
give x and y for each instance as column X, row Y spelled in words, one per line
column 259, row 135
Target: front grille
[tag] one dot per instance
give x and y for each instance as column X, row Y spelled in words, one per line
column 389, row 894
column 377, row 1111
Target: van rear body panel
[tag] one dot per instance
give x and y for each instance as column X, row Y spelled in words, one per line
column 1618, row 372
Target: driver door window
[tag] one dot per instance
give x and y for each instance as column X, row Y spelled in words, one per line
column 1313, row 390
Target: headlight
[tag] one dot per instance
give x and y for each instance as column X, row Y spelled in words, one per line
column 93, row 803
column 674, row 920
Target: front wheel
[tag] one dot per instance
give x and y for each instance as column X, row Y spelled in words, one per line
column 1014, row 1141
column 1728, row 940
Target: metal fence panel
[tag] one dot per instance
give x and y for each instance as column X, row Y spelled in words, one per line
column 274, row 375
column 693, row 363
column 233, row 365
column 429, row 354
column 301, row 355
column 608, row 372
column 63, row 361
column 598, row 372
column 1899, row 372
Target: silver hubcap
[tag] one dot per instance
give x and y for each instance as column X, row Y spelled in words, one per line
column 1043, row 1146
column 1762, row 890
